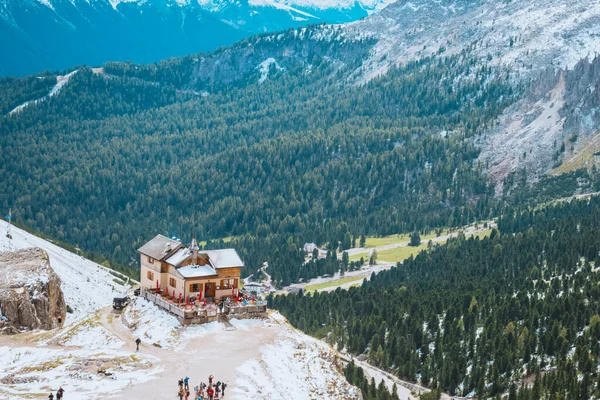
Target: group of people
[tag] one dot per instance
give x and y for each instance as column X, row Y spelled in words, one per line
column 59, row 394
column 210, row 391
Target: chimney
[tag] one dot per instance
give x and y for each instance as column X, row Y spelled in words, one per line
column 194, row 247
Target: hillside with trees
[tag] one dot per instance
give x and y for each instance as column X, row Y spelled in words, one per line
column 514, row 314
column 298, row 157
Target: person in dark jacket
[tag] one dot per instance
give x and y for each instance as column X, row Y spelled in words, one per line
column 60, row 393
column 51, row 396
column 138, row 341
column 224, row 386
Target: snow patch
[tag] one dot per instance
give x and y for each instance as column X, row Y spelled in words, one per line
column 264, row 68
column 294, row 363
column 152, row 324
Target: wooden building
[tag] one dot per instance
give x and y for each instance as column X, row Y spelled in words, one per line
column 188, row 271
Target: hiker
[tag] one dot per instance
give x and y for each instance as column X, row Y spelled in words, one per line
column 51, row 396
column 224, row 386
column 186, row 383
column 59, row 394
column 187, row 395
column 210, row 393
column 138, row 341
column 180, row 394
column 210, row 379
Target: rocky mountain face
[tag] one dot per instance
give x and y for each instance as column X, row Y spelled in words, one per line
column 526, row 35
column 58, row 34
column 254, row 59
column 30, row 292
column 553, row 128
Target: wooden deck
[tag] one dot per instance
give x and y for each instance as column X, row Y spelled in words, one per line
column 198, row 314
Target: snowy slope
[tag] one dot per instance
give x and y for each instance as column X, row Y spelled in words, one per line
column 528, row 35
column 87, row 286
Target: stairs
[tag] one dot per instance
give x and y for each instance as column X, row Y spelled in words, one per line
column 225, row 320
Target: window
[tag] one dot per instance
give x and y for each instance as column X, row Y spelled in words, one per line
column 151, row 260
column 150, row 275
column 195, row 287
column 172, row 282
column 228, row 283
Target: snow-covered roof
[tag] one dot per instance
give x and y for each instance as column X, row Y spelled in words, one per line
column 179, row 257
column 159, row 247
column 197, row 271
column 224, row 258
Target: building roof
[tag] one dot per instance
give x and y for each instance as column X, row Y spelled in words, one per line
column 173, row 252
column 180, row 256
column 159, row 247
column 224, row 258
column 197, row 271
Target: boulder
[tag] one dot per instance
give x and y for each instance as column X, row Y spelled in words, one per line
column 30, row 292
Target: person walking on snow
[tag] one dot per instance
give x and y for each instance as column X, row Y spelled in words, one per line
column 59, row 394
column 138, row 341
column 180, row 394
column 51, row 396
column 224, row 386
column 186, row 382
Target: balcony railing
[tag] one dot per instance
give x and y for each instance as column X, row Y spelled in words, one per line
column 201, row 313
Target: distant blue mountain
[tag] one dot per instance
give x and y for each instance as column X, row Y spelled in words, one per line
column 38, row 35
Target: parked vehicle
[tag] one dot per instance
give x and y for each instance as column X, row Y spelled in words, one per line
column 120, row 302
column 136, row 292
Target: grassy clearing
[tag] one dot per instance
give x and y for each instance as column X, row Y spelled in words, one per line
column 584, row 158
column 225, row 240
column 337, row 282
column 400, row 253
column 482, row 234
column 373, row 241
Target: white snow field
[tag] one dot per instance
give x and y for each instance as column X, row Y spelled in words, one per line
column 94, row 355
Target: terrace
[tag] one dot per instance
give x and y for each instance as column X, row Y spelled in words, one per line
column 204, row 311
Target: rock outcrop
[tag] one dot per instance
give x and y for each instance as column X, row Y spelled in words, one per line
column 30, row 292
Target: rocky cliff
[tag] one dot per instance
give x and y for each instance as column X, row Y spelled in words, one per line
column 30, row 292
column 554, row 128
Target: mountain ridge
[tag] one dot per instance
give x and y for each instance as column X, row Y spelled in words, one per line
column 54, row 35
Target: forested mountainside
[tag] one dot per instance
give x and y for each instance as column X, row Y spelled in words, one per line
column 285, row 138
column 57, row 34
column 110, row 161
column 514, row 314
